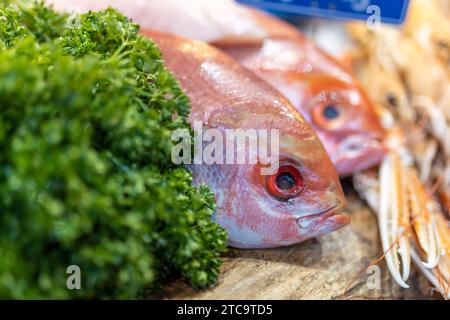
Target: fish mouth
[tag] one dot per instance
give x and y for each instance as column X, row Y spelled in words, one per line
column 323, row 218
column 327, row 213
column 358, row 153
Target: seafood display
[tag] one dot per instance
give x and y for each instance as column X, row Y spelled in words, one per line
column 383, row 118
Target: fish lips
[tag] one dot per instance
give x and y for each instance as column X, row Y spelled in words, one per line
column 324, row 222
column 358, row 153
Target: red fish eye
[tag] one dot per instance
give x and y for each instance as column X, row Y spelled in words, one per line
column 286, row 183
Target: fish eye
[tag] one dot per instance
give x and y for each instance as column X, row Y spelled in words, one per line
column 286, row 183
column 330, row 112
column 328, row 115
column 392, row 99
column 443, row 45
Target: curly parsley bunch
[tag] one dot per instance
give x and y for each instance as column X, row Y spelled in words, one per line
column 86, row 113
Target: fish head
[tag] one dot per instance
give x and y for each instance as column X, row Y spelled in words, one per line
column 342, row 115
column 347, row 124
column 262, row 205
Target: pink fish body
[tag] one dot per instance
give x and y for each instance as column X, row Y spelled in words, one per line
column 316, row 84
column 255, row 212
column 295, row 203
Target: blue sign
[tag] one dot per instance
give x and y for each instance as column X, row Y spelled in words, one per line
column 385, row 11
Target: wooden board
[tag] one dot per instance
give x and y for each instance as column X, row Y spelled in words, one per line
column 330, row 267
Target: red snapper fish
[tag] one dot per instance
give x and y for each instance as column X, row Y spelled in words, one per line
column 322, row 90
column 296, row 202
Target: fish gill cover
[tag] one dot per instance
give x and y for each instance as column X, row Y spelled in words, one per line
column 86, row 113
